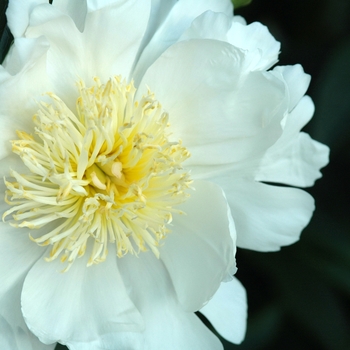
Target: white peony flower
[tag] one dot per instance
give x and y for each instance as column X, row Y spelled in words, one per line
column 141, row 134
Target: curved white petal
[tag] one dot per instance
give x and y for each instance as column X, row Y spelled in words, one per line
column 266, row 217
column 110, row 341
column 295, row 159
column 95, row 5
column 81, row 304
column 199, row 252
column 124, row 23
column 209, row 25
column 298, row 163
column 18, row 13
column 296, row 80
column 165, row 322
column 167, row 326
column 160, row 10
column 17, row 255
column 256, row 40
column 74, row 55
column 240, row 19
column 24, row 53
column 76, row 9
column 4, row 74
column 227, row 311
column 18, row 93
column 18, row 338
column 223, row 112
column 172, row 27
column 151, row 287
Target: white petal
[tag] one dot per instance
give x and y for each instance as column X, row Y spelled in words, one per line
column 209, row 25
column 173, row 329
column 24, row 53
column 178, row 20
column 266, row 217
column 296, row 164
column 257, row 41
column 110, row 341
column 223, row 112
column 76, row 9
column 124, row 23
column 151, row 286
column 74, row 55
column 227, row 311
column 167, row 326
column 4, row 74
column 95, row 5
column 81, row 304
column 297, row 81
column 159, row 12
column 240, row 19
column 18, row 13
column 18, row 338
column 295, row 159
column 18, row 95
column 17, row 255
column 199, row 253
column 152, row 292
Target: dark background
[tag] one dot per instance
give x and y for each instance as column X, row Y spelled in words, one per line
column 299, row 297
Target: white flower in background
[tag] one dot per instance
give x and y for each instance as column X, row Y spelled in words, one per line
column 140, row 133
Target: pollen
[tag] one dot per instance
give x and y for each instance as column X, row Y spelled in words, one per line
column 104, row 174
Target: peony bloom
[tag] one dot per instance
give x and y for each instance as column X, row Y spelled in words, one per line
column 136, row 138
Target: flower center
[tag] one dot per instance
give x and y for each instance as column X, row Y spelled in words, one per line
column 107, row 174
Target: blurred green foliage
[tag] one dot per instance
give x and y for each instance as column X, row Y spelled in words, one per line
column 240, row 3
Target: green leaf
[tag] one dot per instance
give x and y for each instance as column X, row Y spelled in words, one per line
column 240, row 3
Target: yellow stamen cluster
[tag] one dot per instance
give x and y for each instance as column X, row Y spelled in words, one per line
column 107, row 173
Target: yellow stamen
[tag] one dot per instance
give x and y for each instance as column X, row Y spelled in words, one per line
column 106, row 174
